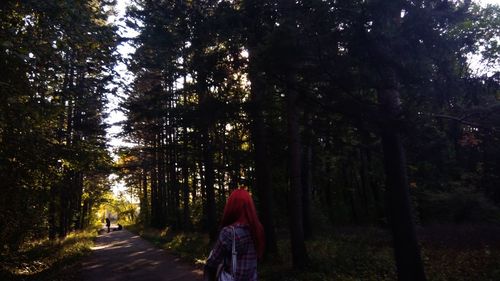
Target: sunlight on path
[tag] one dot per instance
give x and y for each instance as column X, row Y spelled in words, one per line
column 122, row 255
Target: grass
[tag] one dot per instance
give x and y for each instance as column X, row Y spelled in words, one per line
column 338, row 256
column 48, row 260
column 191, row 247
column 449, row 252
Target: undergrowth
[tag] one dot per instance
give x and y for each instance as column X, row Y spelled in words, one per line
column 449, row 253
column 192, row 247
column 46, row 259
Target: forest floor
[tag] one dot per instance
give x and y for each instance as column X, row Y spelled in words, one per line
column 122, row 255
column 47, row 260
column 449, row 252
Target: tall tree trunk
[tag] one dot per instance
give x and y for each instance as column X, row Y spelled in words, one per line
column 262, row 167
column 162, row 185
column 78, row 201
column 186, row 214
column 197, row 185
column 290, row 30
column 365, row 182
column 65, row 206
column 307, row 177
column 145, row 204
column 185, row 173
column 299, row 253
column 256, row 34
column 84, row 212
column 154, row 188
column 174, row 184
column 203, row 190
column 406, row 248
column 221, row 168
column 65, row 189
column 208, row 161
column 208, row 157
column 52, row 213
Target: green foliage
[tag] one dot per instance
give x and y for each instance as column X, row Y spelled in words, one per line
column 125, row 211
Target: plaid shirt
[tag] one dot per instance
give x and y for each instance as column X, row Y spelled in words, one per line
column 246, row 268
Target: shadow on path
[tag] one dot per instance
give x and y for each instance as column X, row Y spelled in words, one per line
column 122, row 255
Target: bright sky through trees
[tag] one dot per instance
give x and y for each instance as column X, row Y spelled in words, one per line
column 124, row 50
column 116, row 116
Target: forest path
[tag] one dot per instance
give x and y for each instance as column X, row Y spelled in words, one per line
column 122, row 255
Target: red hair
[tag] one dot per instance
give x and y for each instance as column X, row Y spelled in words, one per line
column 241, row 209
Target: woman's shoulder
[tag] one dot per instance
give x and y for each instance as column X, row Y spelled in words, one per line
column 240, row 231
column 226, row 233
column 237, row 228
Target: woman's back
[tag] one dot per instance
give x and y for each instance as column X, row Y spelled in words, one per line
column 246, row 265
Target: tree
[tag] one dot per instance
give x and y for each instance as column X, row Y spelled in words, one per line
column 53, row 132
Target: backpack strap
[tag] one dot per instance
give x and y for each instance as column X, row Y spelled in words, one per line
column 234, row 254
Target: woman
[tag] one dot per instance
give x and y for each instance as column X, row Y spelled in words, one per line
column 239, row 216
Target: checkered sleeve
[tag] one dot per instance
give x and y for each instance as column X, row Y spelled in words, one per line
column 221, row 249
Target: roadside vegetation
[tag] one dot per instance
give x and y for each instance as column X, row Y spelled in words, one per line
column 46, row 259
column 450, row 252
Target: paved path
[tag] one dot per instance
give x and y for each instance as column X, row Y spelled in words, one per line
column 122, row 255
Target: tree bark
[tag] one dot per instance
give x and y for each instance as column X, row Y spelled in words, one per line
column 185, row 173
column 145, row 204
column 162, row 184
column 299, row 252
column 262, row 168
column 406, row 248
column 208, row 157
column 209, row 185
column 307, row 177
column 52, row 213
column 154, row 188
column 258, row 126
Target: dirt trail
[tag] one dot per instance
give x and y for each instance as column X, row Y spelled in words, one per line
column 122, row 255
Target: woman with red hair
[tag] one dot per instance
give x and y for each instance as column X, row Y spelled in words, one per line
column 240, row 222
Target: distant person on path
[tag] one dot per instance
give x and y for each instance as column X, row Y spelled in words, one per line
column 108, row 223
column 241, row 222
column 120, row 227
